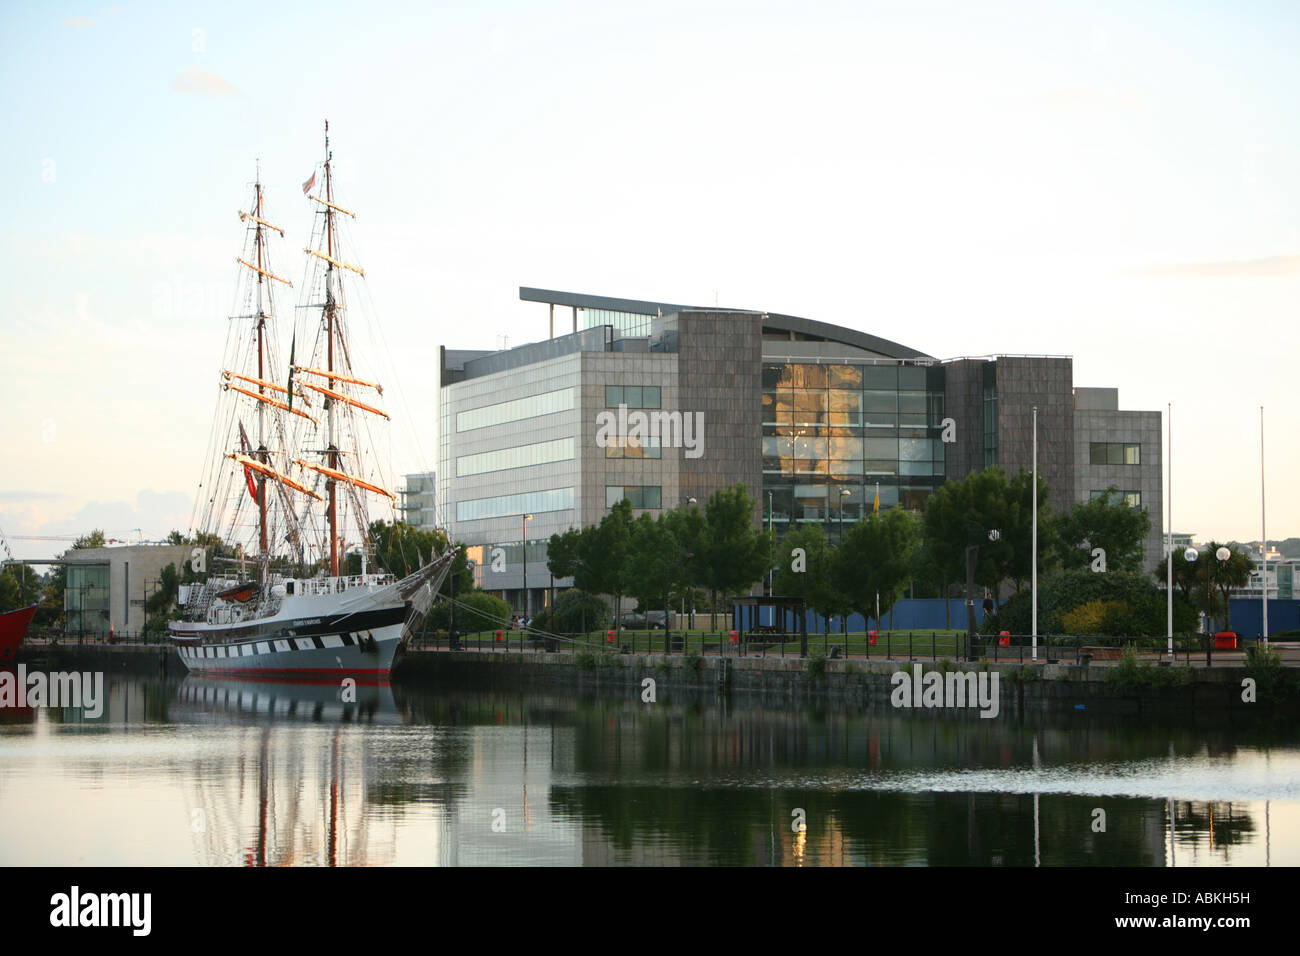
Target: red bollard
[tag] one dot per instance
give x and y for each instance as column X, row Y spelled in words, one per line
column 871, row 637
column 498, row 635
column 735, row 638
column 609, row 637
column 1004, row 638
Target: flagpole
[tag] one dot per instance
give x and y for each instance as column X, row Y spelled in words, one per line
column 1034, row 583
column 1169, row 530
column 1263, row 532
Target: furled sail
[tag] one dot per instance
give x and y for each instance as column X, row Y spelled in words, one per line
column 342, row 476
column 339, row 396
column 272, row 473
column 324, row 373
column 271, row 401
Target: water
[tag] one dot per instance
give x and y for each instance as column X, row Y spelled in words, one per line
column 226, row 773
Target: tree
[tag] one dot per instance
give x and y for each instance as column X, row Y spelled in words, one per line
column 1105, row 522
column 1207, row 581
column 824, row 597
column 603, row 554
column 963, row 512
column 736, row 554
column 19, row 587
column 874, row 560
column 655, row 562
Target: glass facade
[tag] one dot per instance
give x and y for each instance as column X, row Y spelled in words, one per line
column 1114, row 453
column 521, row 456
column 833, row 434
column 629, row 324
column 560, row 400
column 503, row 506
column 85, row 599
column 633, row 396
column 641, row 496
column 512, row 553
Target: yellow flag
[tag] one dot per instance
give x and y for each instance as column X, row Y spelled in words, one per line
column 876, row 509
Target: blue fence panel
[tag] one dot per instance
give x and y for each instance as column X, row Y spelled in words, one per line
column 1248, row 616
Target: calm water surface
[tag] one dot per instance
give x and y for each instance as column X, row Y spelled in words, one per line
column 236, row 774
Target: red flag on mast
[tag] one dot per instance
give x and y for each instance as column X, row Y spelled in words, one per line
column 306, row 187
column 248, row 472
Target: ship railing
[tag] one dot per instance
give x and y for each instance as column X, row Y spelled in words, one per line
column 341, row 584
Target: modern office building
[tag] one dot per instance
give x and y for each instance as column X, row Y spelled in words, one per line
column 419, row 504
column 106, row 588
column 663, row 404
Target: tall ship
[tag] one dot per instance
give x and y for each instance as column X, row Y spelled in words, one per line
column 283, row 583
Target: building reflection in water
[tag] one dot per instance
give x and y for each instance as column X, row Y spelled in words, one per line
column 271, row 774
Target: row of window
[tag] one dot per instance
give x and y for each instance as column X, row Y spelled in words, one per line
column 641, row 496
column 1114, row 453
column 633, row 396
column 891, row 377
column 869, row 467
column 1131, row 498
column 503, row 506
column 547, row 403
column 521, row 456
column 849, row 448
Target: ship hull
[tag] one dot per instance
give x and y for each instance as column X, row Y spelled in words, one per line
column 315, row 638
column 367, row 653
column 13, row 628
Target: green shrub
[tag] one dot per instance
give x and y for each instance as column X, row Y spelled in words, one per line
column 574, row 612
column 1060, row 594
column 1272, row 678
column 816, row 664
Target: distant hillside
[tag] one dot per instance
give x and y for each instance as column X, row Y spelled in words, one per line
column 1290, row 548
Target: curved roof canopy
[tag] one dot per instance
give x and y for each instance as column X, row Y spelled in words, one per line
column 800, row 329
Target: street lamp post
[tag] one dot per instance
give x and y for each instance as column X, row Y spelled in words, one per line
column 527, row 518
column 844, row 493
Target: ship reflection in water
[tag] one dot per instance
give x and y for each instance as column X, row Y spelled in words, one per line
column 239, row 773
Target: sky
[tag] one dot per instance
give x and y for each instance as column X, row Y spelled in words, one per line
column 1110, row 181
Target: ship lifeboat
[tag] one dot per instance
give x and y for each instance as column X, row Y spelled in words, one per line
column 240, row 592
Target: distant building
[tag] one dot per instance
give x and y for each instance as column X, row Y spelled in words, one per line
column 419, row 506
column 107, row 587
column 816, row 420
column 1282, row 574
column 1180, row 540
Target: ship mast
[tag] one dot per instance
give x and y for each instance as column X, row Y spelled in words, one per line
column 332, row 447
column 262, row 454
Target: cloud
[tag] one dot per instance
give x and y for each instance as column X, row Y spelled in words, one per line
column 27, row 495
column 78, row 23
column 1272, row 267
column 198, row 81
column 154, row 513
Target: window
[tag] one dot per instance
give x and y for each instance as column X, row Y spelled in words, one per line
column 546, row 403
column 521, row 456
column 633, row 396
column 632, row 448
column 1114, row 453
column 1131, row 498
column 641, row 496
column 503, row 506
